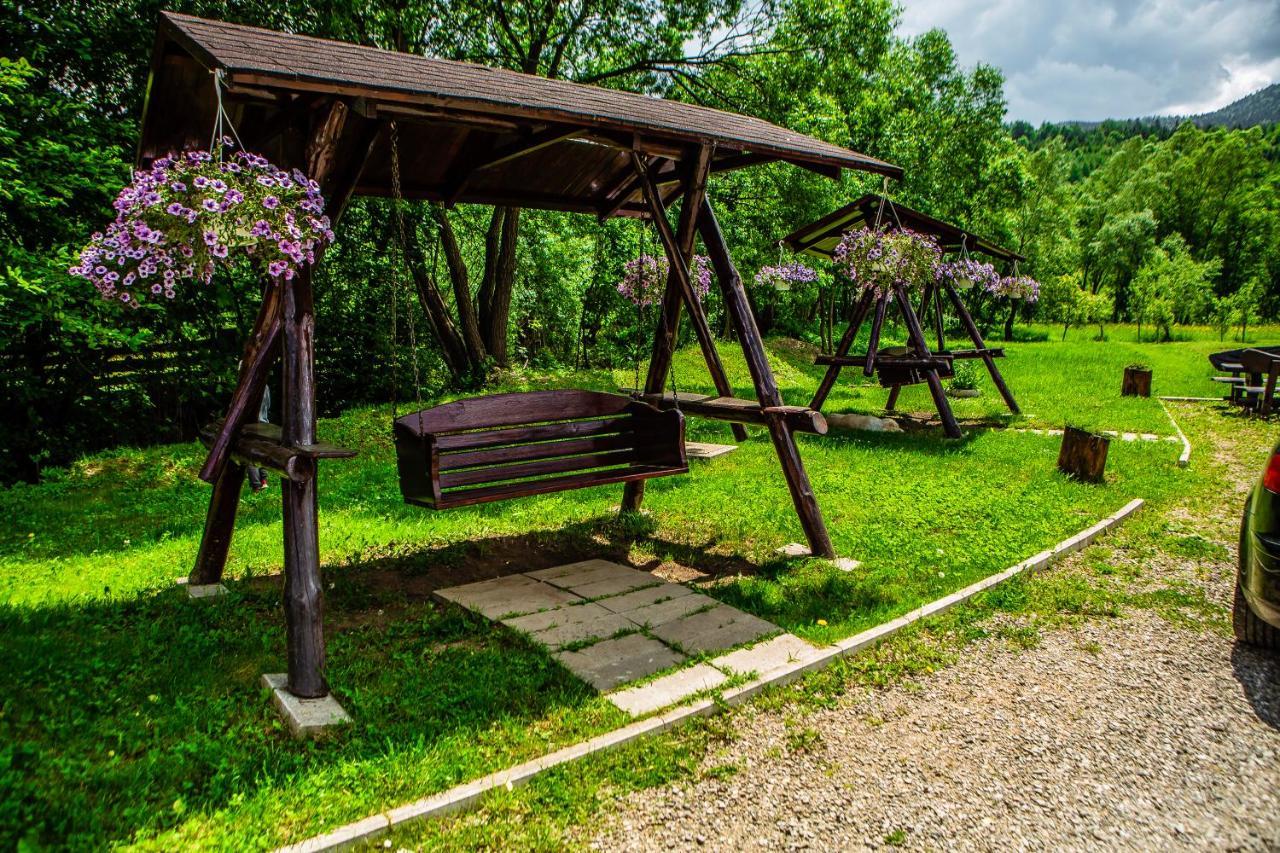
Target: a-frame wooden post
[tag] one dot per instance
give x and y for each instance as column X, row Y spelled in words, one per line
column 842, row 349
column 784, row 442
column 915, row 334
column 679, row 291
column 966, row 319
column 336, row 150
column 227, row 476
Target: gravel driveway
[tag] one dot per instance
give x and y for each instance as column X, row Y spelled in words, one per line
column 1129, row 733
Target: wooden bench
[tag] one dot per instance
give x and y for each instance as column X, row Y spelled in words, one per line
column 535, row 442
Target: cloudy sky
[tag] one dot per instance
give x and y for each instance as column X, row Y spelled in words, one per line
column 1095, row 59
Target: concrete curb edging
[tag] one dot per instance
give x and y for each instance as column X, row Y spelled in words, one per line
column 1184, row 458
column 469, row 794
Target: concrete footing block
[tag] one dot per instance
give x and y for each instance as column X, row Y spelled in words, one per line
column 305, row 717
column 799, row 549
column 205, row 590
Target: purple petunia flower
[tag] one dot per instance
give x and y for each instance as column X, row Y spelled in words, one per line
column 271, row 202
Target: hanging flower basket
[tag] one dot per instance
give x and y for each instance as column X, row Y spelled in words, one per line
column 881, row 260
column 966, row 274
column 644, row 279
column 192, row 212
column 784, row 276
column 1022, row 287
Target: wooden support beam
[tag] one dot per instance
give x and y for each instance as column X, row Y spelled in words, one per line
column 527, row 144
column 678, row 246
column 873, row 343
column 987, row 355
column 617, row 196
column 544, row 138
column 219, row 524
column 735, row 298
column 916, row 335
column 260, row 352
column 842, row 349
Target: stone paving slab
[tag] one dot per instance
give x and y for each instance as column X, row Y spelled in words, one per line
column 596, row 578
column 583, row 569
column 707, row 450
column 610, row 663
column 644, row 597
column 617, row 585
column 718, row 628
column 571, row 624
column 506, row 596
column 665, row 612
column 623, row 624
column 764, row 658
column 668, row 690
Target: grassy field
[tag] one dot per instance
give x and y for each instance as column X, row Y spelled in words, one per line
column 133, row 717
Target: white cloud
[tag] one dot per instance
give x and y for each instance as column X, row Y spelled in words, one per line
column 1095, row 59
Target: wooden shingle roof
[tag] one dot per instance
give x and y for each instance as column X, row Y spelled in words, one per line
column 450, row 110
column 820, row 238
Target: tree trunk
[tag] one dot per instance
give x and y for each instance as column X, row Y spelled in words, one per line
column 1008, row 321
column 1137, row 382
column 500, row 273
column 1083, row 455
column 470, row 326
column 452, row 348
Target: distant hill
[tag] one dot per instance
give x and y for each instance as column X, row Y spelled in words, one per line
column 1261, row 107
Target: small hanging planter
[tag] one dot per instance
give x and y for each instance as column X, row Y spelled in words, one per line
column 882, row 260
column 1016, row 286
column 644, row 279
column 193, row 212
column 785, row 276
column 1137, row 381
column 966, row 274
column 1083, row 455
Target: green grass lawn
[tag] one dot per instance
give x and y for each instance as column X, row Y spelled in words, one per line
column 132, row 716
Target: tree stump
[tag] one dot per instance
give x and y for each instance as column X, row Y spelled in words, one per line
column 1083, row 455
column 1137, row 382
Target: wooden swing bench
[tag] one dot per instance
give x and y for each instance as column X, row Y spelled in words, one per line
column 531, row 443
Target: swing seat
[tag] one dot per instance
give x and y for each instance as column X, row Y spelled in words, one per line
column 531, row 443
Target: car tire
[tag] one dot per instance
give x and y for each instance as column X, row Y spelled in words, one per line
column 1249, row 628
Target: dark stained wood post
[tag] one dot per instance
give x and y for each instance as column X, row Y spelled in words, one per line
column 916, row 335
column 227, row 476
column 219, row 524
column 303, row 589
column 784, row 442
column 679, row 291
column 842, row 349
column 893, row 398
column 873, row 341
column 1137, row 382
column 259, row 354
column 966, row 319
column 1083, row 455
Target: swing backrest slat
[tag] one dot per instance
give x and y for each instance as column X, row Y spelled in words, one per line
column 513, row 445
